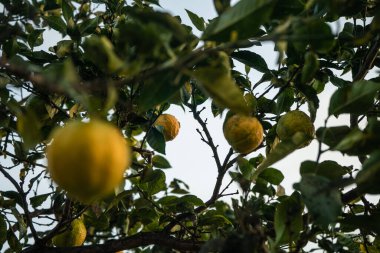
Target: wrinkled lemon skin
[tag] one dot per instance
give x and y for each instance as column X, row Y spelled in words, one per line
column 293, row 122
column 243, row 133
column 88, row 160
column 170, row 126
column 74, row 236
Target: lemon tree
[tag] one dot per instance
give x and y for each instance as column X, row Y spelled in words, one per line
column 87, row 91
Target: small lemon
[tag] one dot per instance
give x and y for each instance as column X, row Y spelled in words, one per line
column 293, row 122
column 169, row 124
column 243, row 133
column 88, row 160
column 75, row 235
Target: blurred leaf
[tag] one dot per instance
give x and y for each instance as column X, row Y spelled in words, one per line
column 29, row 126
column 35, row 38
column 310, row 67
column 244, row 19
column 281, row 150
column 272, row 175
column 288, row 221
column 3, row 231
column 160, row 162
column 285, row 8
column 56, row 23
column 357, row 98
column 368, row 178
column 191, row 199
column 67, row 10
column 245, row 167
column 331, row 136
column 368, row 223
column 197, row 21
column 216, row 80
column 88, row 26
column 251, row 59
column 285, row 101
column 322, row 200
column 13, row 241
column 329, row 169
column 156, row 140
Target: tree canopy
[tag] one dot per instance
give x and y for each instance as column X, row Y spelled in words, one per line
column 127, row 62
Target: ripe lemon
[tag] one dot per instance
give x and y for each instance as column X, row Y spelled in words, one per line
column 243, row 133
column 88, row 160
column 75, row 235
column 293, row 122
column 169, row 124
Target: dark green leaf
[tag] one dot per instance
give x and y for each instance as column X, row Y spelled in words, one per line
column 36, row 201
column 244, row 19
column 156, row 140
column 368, row 223
column 357, row 98
column 322, row 200
column 288, row 221
column 35, row 38
column 191, row 199
column 285, row 101
column 329, row 169
column 272, row 175
column 331, row 136
column 67, row 10
column 3, row 231
column 197, row 21
column 251, row 59
column 368, row 178
column 56, row 23
column 154, row 182
column 88, row 26
column 160, row 162
column 13, row 241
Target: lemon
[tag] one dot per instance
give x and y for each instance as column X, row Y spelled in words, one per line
column 88, row 160
column 169, row 124
column 293, row 122
column 75, row 235
column 243, row 133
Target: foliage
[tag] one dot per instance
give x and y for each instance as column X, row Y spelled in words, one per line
column 128, row 62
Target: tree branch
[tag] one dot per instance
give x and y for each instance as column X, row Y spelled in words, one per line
column 138, row 240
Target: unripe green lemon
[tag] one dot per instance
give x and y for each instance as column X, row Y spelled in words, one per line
column 88, row 160
column 170, row 126
column 243, row 133
column 293, row 122
column 75, row 235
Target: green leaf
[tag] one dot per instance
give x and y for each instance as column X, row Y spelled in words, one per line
column 272, row 176
column 368, row 178
column 288, row 221
column 331, row 136
column 160, row 162
column 329, row 169
column 197, row 21
column 191, row 199
column 56, row 23
column 13, row 241
column 251, row 59
column 310, row 67
column 322, row 200
column 3, row 231
column 244, row 19
column 281, row 150
column 367, row 223
column 285, row 101
column 216, row 80
column 351, row 140
column 37, row 201
column 88, row 26
column 67, row 10
column 35, row 38
column 357, row 98
column 154, row 182
column 156, row 140
column 158, row 89
column 245, row 167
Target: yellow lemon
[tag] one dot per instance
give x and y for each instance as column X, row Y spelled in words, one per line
column 88, row 160
column 243, row 133
column 169, row 124
column 293, row 122
column 75, row 235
